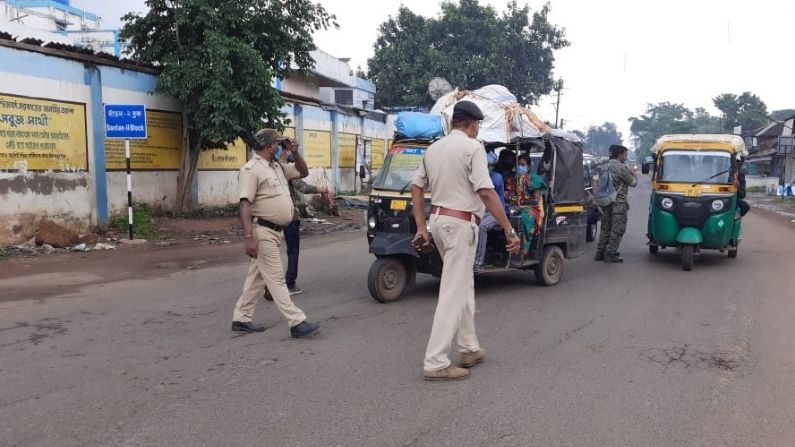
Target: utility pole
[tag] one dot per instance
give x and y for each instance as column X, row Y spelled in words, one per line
column 558, row 87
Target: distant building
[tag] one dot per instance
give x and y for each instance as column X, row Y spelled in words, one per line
column 58, row 21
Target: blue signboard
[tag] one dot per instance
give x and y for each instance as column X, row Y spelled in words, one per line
column 125, row 121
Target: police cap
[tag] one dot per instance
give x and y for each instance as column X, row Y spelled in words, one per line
column 266, row 137
column 467, row 111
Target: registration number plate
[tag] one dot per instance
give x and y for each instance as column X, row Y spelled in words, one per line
column 398, row 205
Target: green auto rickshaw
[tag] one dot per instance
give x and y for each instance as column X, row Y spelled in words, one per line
column 694, row 199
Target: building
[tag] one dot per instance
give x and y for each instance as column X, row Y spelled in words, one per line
column 58, row 21
column 765, row 159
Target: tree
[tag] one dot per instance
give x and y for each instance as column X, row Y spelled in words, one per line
column 780, row 115
column 218, row 59
column 660, row 119
column 468, row 44
column 598, row 139
column 746, row 110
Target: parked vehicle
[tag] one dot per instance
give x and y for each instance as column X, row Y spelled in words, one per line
column 694, row 200
column 560, row 234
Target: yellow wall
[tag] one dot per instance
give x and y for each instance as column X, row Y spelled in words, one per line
column 39, row 134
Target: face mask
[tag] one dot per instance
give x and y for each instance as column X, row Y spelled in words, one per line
column 522, row 169
column 279, row 151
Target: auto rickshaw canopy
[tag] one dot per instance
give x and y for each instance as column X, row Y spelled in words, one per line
column 732, row 143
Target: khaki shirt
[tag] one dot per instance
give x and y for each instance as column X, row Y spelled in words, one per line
column 266, row 186
column 455, row 168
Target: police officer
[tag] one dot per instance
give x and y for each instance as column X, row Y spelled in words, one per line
column 265, row 209
column 455, row 169
column 614, row 216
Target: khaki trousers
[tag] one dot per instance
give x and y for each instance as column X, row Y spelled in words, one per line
column 267, row 271
column 456, row 240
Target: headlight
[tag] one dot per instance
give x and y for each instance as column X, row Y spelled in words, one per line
column 667, row 203
column 717, row 205
column 371, row 222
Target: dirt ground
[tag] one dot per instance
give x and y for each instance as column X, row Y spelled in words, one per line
column 169, row 232
column 777, row 208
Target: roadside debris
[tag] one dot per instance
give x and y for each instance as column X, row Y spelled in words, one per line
column 56, row 235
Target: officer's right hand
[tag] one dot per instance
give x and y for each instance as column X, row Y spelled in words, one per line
column 514, row 244
column 251, row 247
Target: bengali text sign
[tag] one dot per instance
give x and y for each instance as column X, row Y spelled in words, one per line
column 317, row 148
column 162, row 150
column 41, row 134
column 347, row 150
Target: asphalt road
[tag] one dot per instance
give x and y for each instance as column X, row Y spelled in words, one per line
column 639, row 354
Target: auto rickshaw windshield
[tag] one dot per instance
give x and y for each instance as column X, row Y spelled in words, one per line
column 399, row 168
column 696, row 167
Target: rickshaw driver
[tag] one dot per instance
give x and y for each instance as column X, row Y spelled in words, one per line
column 455, row 169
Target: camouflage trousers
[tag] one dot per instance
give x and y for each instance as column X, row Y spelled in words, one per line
column 614, row 224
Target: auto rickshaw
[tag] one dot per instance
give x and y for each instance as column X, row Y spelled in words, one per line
column 559, row 234
column 694, row 200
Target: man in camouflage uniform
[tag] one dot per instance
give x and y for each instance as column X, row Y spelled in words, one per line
column 614, row 216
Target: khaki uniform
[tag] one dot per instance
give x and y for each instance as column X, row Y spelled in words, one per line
column 615, row 216
column 266, row 186
column 455, row 169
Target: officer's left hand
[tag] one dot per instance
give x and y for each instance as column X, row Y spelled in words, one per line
column 514, row 244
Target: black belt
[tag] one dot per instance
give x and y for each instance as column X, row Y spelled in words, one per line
column 268, row 224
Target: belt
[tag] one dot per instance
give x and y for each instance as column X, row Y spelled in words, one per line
column 268, row 224
column 463, row 215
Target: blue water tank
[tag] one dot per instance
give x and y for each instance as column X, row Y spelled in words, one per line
column 63, row 2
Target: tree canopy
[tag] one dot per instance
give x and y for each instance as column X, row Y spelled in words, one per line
column 598, row 139
column 746, row 110
column 219, row 59
column 468, row 44
column 668, row 118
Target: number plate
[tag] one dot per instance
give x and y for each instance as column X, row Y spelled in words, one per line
column 398, row 205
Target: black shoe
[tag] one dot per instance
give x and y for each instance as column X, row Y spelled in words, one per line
column 303, row 329
column 613, row 259
column 599, row 257
column 247, row 327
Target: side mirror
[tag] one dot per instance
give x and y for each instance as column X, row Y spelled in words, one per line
column 644, row 168
column 362, row 172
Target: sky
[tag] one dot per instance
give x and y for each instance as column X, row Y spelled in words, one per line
column 624, row 54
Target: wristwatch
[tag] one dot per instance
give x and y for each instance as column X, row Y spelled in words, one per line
column 511, row 233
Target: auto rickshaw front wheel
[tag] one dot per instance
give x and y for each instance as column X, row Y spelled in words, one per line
column 388, row 279
column 688, row 251
column 552, row 266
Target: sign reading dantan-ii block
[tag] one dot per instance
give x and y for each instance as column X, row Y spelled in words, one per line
column 125, row 121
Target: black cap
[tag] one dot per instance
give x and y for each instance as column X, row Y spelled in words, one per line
column 467, row 111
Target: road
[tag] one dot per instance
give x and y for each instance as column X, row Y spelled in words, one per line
column 130, row 350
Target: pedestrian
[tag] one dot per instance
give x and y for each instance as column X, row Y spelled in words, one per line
column 615, row 214
column 265, row 209
column 292, row 232
column 455, row 170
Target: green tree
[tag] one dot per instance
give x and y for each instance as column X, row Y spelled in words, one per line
column 218, row 59
column 660, row 119
column 746, row 110
column 469, row 44
column 782, row 114
column 598, row 139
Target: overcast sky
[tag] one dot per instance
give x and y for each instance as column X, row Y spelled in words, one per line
column 624, row 53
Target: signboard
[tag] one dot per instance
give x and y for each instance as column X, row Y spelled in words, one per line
column 379, row 149
column 786, row 145
column 41, row 134
column 317, row 148
column 125, row 121
column 230, row 159
column 161, row 151
column 347, row 150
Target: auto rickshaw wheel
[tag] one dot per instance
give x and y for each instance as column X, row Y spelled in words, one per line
column 653, row 249
column 552, row 266
column 687, row 257
column 733, row 253
column 387, row 279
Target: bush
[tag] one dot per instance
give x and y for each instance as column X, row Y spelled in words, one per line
column 143, row 223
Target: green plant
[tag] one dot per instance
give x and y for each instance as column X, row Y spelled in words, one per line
column 230, row 210
column 756, row 190
column 144, row 222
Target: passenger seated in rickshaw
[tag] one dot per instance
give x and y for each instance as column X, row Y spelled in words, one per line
column 528, row 195
column 488, row 222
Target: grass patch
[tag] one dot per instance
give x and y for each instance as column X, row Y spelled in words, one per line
column 3, row 253
column 144, row 222
column 756, row 190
